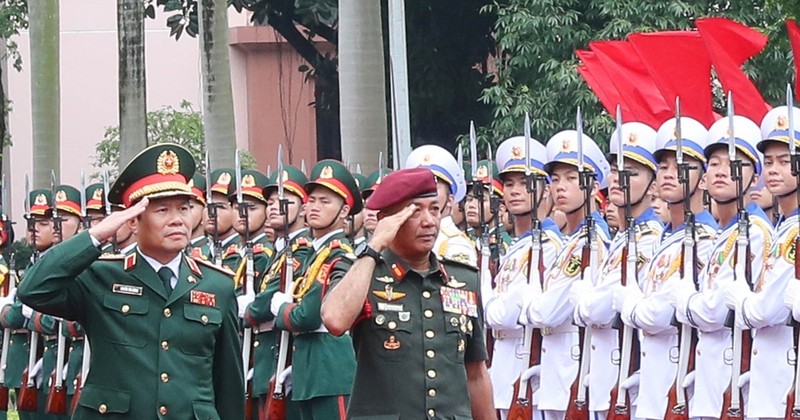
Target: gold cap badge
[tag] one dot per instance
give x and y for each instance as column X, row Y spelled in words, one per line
column 167, row 163
column 40, row 200
column 516, row 152
column 327, row 173
column 61, row 196
column 248, row 181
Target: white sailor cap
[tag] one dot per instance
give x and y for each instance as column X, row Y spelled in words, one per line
column 693, row 138
column 775, row 127
column 638, row 144
column 746, row 136
column 442, row 164
column 563, row 148
column 510, row 156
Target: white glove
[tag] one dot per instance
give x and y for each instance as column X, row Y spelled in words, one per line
column 278, row 299
column 27, row 311
column 681, row 291
column 244, row 301
column 249, row 375
column 578, row 288
column 37, row 372
column 734, row 293
column 618, row 295
column 8, row 300
column 286, row 379
column 791, row 294
column 64, row 370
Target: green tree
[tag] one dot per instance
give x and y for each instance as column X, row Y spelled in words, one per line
column 536, row 67
column 13, row 18
column 182, row 126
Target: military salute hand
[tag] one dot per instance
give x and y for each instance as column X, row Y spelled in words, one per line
column 111, row 224
column 388, row 226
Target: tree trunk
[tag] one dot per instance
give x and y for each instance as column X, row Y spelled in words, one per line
column 218, row 118
column 43, row 18
column 132, row 83
column 362, row 91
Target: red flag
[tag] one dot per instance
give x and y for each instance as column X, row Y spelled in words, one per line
column 633, row 81
column 680, row 66
column 596, row 77
column 794, row 39
column 729, row 45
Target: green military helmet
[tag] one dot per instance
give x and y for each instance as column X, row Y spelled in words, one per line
column 361, row 182
column 40, row 202
column 198, row 186
column 221, row 180
column 253, row 183
column 161, row 170
column 373, row 181
column 482, row 175
column 68, row 199
column 293, row 181
column 95, row 197
column 334, row 176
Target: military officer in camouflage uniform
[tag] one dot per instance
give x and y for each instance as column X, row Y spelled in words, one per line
column 222, row 228
column 416, row 320
column 257, row 312
column 199, row 245
column 163, row 327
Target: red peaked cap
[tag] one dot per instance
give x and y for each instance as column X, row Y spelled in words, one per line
column 402, row 185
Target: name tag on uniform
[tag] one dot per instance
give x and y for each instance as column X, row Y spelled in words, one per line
column 126, row 289
column 390, row 307
column 459, row 301
column 204, row 298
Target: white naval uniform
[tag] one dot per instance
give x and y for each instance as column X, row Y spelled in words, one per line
column 706, row 311
column 453, row 244
column 650, row 312
column 552, row 311
column 593, row 308
column 502, row 306
column 762, row 311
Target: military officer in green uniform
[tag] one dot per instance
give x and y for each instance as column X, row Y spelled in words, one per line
column 416, row 321
column 199, row 245
column 221, row 228
column 253, row 228
column 163, row 327
column 95, row 203
column 323, row 365
column 256, row 311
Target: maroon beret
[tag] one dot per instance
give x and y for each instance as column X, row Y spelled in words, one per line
column 402, row 185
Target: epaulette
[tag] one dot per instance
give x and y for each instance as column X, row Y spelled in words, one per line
column 258, row 248
column 302, row 241
column 339, row 244
column 111, row 257
column 193, row 266
column 209, row 264
column 464, row 263
column 232, row 249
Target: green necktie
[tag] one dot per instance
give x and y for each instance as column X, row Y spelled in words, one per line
column 166, row 277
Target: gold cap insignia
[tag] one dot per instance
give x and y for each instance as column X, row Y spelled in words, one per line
column 224, row 178
column 61, row 196
column 248, row 181
column 782, row 123
column 426, row 159
column 327, row 173
column 482, row 172
column 516, row 152
column 168, row 163
column 633, row 137
column 98, row 194
column 40, row 200
column 566, row 145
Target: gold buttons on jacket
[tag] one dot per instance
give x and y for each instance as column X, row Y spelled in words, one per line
column 428, row 313
column 163, row 410
column 431, row 373
column 102, row 408
column 126, row 308
column 426, row 294
column 431, row 392
column 430, row 334
column 167, row 312
column 431, row 412
column 165, row 345
column 431, row 354
column 256, row 343
column 164, row 377
column 204, row 319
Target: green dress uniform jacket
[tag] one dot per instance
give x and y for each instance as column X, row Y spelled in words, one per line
column 200, row 248
column 413, row 338
column 230, row 252
column 154, row 355
column 323, row 365
column 262, row 256
column 258, row 314
column 47, row 328
column 11, row 317
column 74, row 332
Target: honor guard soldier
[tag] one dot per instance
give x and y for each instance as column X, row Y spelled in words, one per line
column 162, row 327
column 498, row 237
column 760, row 309
column 452, row 243
column 257, row 313
column 371, row 216
column 95, row 203
column 220, row 229
column 323, row 364
column 708, row 308
column 254, row 228
column 552, row 309
column 503, row 301
column 416, row 320
column 199, row 245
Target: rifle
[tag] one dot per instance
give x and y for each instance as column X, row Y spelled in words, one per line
column 247, row 287
column 477, row 190
column 521, row 406
column 27, row 399
column 10, row 288
column 793, row 403
column 214, row 216
column 57, row 398
column 621, row 407
column 740, row 362
column 276, row 404
column 676, row 399
column 578, row 407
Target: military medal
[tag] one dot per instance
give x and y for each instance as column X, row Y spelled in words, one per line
column 392, row 343
column 204, row 298
column 459, row 301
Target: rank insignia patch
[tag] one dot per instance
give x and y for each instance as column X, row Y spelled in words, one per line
column 204, row 298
